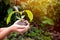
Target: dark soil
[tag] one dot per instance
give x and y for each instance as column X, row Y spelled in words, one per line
column 22, row 23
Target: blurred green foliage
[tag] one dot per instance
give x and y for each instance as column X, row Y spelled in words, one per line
column 42, row 9
column 31, row 34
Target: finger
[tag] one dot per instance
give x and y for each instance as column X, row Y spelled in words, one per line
column 26, row 22
column 21, row 30
column 27, row 27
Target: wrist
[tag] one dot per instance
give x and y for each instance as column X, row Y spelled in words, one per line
column 11, row 28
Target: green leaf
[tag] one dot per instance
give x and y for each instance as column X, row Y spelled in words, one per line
column 9, row 16
column 20, row 13
column 30, row 15
column 9, row 10
column 48, row 21
column 22, row 16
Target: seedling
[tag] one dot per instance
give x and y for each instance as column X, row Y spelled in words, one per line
column 19, row 15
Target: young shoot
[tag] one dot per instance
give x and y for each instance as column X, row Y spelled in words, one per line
column 19, row 14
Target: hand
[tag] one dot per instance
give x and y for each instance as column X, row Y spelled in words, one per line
column 20, row 28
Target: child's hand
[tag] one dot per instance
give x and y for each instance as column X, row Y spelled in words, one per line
column 20, row 28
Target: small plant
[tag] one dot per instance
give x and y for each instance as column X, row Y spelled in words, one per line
column 19, row 14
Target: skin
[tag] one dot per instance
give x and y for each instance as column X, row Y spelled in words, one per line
column 13, row 28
